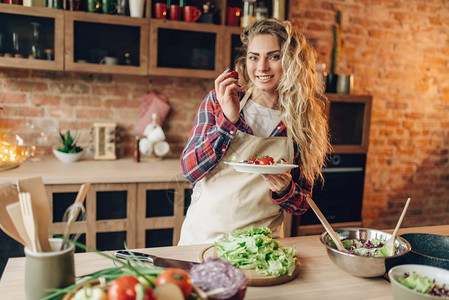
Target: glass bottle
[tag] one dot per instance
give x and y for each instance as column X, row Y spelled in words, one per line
column 248, row 15
column 36, row 47
column 15, row 45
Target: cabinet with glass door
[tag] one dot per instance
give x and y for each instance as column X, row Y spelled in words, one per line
column 110, row 44
column 31, row 38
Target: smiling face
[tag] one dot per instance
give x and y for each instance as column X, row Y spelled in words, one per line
column 264, row 65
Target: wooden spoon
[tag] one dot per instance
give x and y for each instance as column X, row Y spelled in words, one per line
column 29, row 221
column 35, row 186
column 8, row 195
column 15, row 212
column 334, row 236
column 390, row 242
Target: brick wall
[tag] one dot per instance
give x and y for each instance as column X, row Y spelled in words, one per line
column 52, row 100
column 397, row 50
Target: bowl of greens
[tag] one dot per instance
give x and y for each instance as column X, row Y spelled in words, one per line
column 419, row 282
column 366, row 252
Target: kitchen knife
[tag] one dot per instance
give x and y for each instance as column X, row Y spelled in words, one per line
column 155, row 260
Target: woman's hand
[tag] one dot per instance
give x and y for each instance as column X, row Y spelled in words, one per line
column 226, row 88
column 278, row 183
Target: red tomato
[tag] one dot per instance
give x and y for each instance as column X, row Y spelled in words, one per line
column 123, row 288
column 264, row 161
column 178, row 277
column 235, row 74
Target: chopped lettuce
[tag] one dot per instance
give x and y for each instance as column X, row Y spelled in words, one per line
column 423, row 284
column 254, row 248
column 371, row 248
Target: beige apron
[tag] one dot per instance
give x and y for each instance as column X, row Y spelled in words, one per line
column 226, row 200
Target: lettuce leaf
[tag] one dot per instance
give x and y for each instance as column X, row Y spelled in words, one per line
column 417, row 282
column 254, row 248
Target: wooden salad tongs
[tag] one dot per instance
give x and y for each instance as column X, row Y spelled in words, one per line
column 334, row 236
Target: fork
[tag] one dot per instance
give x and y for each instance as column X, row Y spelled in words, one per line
column 29, row 220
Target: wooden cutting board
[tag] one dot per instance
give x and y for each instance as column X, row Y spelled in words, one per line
column 254, row 278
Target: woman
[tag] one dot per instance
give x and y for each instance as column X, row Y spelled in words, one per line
column 279, row 112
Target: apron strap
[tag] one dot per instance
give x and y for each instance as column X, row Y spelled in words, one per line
column 291, row 149
column 245, row 98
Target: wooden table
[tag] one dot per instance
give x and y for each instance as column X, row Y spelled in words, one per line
column 319, row 277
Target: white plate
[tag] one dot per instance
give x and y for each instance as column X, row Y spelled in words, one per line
column 261, row 169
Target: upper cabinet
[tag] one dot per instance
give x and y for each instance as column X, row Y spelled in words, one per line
column 186, row 49
column 186, row 38
column 29, row 38
column 110, row 44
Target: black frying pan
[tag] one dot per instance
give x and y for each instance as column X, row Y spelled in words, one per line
column 428, row 249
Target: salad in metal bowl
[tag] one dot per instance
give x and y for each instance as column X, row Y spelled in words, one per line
column 371, row 248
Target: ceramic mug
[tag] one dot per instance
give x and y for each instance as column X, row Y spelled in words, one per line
column 136, row 8
column 160, row 10
column 156, row 134
column 175, row 12
column 233, row 16
column 344, row 83
column 109, row 60
column 191, row 13
column 45, row 271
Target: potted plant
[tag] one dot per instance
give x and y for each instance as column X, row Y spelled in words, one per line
column 70, row 151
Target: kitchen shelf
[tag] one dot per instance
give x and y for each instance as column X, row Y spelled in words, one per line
column 18, row 19
column 349, row 122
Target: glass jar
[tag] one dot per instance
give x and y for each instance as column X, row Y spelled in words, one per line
column 12, row 154
column 36, row 45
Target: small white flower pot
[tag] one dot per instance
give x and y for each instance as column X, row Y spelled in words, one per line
column 67, row 157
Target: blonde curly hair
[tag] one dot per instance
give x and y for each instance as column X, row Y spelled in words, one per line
column 301, row 101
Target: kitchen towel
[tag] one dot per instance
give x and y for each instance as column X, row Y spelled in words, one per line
column 152, row 103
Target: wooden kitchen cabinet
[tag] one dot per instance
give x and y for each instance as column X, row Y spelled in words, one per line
column 200, row 50
column 141, row 46
column 141, row 214
column 186, row 49
column 89, row 38
column 16, row 37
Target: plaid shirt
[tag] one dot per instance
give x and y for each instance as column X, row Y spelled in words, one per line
column 209, row 140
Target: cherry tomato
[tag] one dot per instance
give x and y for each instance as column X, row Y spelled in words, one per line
column 265, row 161
column 123, row 288
column 178, row 277
column 235, row 74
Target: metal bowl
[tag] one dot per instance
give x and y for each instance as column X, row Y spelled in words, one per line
column 363, row 266
column 428, row 249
